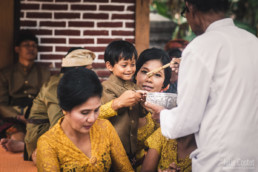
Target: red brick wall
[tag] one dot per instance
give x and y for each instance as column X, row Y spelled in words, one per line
column 61, row 24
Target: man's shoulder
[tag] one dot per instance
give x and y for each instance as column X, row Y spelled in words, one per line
column 8, row 69
column 41, row 67
column 109, row 81
column 52, row 83
column 55, row 78
column 103, row 124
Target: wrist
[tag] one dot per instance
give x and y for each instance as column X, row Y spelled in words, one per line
column 18, row 117
column 116, row 104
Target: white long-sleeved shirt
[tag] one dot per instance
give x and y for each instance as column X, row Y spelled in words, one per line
column 218, row 99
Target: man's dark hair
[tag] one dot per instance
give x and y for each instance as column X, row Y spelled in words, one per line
column 76, row 87
column 207, row 5
column 25, row 35
column 118, row 50
column 154, row 54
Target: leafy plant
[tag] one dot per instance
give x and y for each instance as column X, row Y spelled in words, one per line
column 244, row 13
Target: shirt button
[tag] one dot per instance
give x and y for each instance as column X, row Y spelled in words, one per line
column 132, row 121
column 93, row 160
column 29, row 96
column 25, row 92
column 26, row 82
column 131, row 135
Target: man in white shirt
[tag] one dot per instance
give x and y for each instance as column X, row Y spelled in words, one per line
column 217, row 92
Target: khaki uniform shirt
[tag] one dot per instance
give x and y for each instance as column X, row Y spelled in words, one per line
column 126, row 122
column 18, row 86
column 45, row 106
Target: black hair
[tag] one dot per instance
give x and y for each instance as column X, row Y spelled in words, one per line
column 154, row 54
column 25, row 35
column 76, row 87
column 207, row 5
column 118, row 50
column 174, row 52
column 67, row 69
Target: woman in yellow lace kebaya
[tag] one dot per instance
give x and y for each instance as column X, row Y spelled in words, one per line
column 148, row 60
column 80, row 141
column 162, row 152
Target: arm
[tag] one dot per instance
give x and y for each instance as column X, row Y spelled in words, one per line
column 172, row 168
column 120, row 161
column 47, row 158
column 193, row 92
column 107, row 111
column 110, row 109
column 54, row 111
column 5, row 110
column 151, row 160
column 154, row 143
column 112, row 102
column 45, row 106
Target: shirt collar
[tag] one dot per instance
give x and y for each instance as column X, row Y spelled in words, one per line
column 23, row 68
column 219, row 24
column 120, row 82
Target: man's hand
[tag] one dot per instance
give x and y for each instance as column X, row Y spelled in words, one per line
column 154, row 109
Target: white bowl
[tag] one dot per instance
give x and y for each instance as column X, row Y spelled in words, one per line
column 167, row 100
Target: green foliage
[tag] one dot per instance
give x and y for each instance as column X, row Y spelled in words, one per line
column 161, row 8
column 245, row 26
column 244, row 13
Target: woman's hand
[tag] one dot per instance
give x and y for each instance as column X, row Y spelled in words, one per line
column 127, row 99
column 154, row 109
column 172, row 168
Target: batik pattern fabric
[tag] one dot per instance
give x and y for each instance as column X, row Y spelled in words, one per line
column 167, row 150
column 143, row 133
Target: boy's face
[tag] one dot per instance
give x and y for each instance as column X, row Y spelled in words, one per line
column 123, row 69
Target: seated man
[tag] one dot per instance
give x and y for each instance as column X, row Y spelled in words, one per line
column 45, row 111
column 19, row 84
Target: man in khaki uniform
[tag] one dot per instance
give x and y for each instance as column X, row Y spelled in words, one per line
column 19, row 85
column 45, row 111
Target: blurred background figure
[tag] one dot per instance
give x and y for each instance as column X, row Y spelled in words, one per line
column 176, row 43
column 19, row 85
column 174, row 49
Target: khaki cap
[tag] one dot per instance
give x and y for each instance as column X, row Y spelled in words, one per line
column 79, row 57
